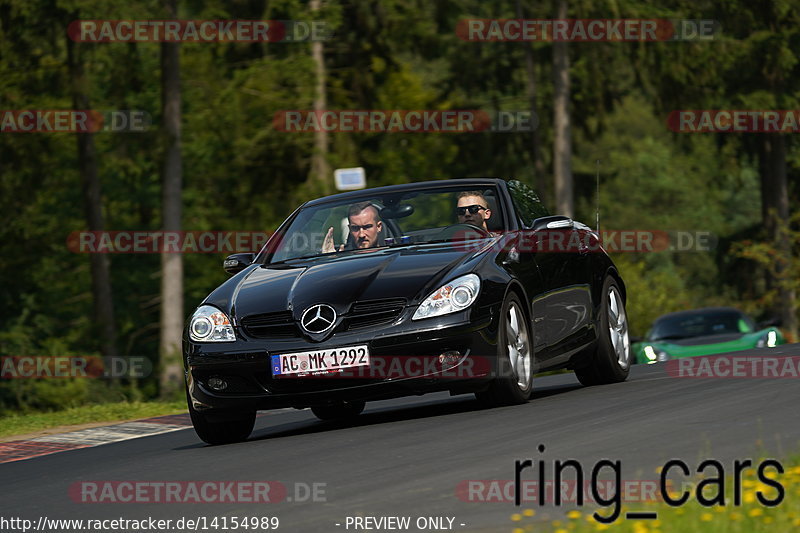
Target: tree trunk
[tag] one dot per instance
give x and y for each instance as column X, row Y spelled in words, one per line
column 93, row 209
column 562, row 143
column 320, row 170
column 775, row 206
column 539, row 177
column 171, row 263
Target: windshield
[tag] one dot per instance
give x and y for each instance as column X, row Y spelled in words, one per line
column 698, row 325
column 398, row 219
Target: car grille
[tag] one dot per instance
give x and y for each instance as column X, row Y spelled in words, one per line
column 271, row 325
column 373, row 313
column 363, row 314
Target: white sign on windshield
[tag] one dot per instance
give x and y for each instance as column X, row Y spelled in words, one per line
column 348, row 179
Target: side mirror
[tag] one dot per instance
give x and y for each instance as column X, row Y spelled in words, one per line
column 553, row 222
column 237, row 262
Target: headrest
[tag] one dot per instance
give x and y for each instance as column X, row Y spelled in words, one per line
column 495, row 222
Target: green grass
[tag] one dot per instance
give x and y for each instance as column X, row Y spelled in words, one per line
column 20, row 424
column 750, row 517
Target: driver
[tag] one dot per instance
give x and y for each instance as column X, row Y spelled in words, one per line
column 473, row 209
column 364, row 223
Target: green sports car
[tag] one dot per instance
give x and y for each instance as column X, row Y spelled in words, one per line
column 707, row 331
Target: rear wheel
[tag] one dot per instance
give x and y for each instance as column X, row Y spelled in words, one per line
column 514, row 382
column 218, row 426
column 611, row 360
column 338, row 411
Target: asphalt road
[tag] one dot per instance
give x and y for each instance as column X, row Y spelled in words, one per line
column 407, row 457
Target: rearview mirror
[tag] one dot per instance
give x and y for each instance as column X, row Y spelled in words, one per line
column 397, row 211
column 237, row 262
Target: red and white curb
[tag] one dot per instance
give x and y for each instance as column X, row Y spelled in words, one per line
column 17, row 450
column 87, row 438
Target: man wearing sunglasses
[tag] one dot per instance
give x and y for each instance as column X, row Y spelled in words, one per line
column 365, row 225
column 473, row 209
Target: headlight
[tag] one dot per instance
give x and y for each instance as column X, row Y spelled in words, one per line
column 450, row 298
column 655, row 356
column 768, row 341
column 209, row 324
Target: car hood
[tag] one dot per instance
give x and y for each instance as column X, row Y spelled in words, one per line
column 706, row 339
column 340, row 279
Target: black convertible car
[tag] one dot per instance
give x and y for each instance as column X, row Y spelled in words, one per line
column 467, row 286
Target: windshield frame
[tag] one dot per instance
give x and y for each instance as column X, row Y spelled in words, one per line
column 265, row 256
column 675, row 321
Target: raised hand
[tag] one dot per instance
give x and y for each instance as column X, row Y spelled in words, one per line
column 328, row 245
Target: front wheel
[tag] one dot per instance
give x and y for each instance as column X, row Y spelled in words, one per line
column 611, row 360
column 514, row 383
column 221, row 427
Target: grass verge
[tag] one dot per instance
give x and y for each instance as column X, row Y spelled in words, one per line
column 21, row 424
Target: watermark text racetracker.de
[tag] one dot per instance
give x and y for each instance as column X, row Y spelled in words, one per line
column 587, row 241
column 196, row 491
column 154, row 242
column 89, row 366
column 405, row 121
column 138, row 491
column 198, row 31
column 503, row 491
column 735, row 121
column 73, row 121
column 586, row 30
column 735, row 366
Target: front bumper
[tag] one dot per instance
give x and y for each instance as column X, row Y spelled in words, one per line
column 404, row 361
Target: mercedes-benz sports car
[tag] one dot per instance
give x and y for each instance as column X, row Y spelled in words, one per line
column 706, row 331
column 467, row 286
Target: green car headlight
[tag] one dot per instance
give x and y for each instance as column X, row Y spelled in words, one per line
column 769, row 340
column 655, row 356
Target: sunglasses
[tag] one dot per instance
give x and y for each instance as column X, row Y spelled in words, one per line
column 471, row 208
column 355, row 228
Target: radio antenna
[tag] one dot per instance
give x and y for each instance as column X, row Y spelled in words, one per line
column 597, row 200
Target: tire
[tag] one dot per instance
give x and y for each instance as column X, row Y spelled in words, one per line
column 221, row 426
column 610, row 361
column 514, row 381
column 338, row 410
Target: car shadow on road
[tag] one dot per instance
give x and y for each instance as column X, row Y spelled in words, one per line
column 379, row 414
column 397, row 413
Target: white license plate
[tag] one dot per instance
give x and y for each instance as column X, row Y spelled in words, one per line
column 319, row 361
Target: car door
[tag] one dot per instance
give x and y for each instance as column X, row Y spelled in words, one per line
column 562, row 309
